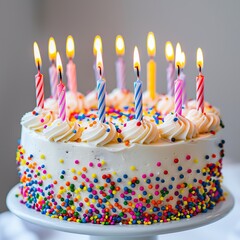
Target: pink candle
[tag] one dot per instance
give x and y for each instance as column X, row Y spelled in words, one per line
column 62, row 100
column 200, row 82
column 200, row 92
column 39, row 77
column 170, row 79
column 61, row 91
column 39, row 89
column 178, row 95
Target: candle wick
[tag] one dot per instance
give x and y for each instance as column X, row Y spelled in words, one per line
column 60, row 75
column 100, row 71
column 38, row 66
column 200, row 69
column 178, row 70
column 137, row 69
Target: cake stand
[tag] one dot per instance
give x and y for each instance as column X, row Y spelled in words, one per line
column 119, row 232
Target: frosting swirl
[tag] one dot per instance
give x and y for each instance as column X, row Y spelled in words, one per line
column 148, row 101
column 38, row 119
column 205, row 122
column 140, row 132
column 75, row 102
column 63, row 131
column 119, row 98
column 52, row 105
column 165, row 104
column 99, row 134
column 176, row 127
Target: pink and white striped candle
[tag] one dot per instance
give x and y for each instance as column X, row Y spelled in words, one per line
column 61, row 88
column 200, row 92
column 178, row 96
column 39, row 89
column 38, row 77
column 200, row 82
column 62, row 100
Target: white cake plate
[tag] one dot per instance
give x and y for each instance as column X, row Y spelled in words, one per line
column 119, row 232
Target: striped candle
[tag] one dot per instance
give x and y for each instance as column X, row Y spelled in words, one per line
column 53, row 80
column 178, row 96
column 39, row 89
column 170, row 79
column 101, row 89
column 138, row 99
column 62, row 100
column 200, row 92
column 184, row 94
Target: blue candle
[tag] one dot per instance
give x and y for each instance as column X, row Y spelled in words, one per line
column 137, row 87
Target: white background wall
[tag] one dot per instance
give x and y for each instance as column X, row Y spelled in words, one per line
column 212, row 25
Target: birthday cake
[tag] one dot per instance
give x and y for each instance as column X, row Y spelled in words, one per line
column 122, row 170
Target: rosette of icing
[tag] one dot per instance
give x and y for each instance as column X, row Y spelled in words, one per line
column 192, row 104
column 205, row 122
column 119, row 98
column 38, row 119
column 63, row 131
column 144, row 132
column 91, row 100
column 99, row 134
column 75, row 102
column 165, row 104
column 176, row 127
column 51, row 104
column 148, row 101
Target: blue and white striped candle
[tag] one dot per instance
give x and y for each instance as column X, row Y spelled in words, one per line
column 101, row 88
column 137, row 87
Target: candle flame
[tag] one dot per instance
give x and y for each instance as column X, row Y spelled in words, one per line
column 136, row 60
column 169, row 52
column 97, row 45
column 99, row 62
column 151, row 44
column 59, row 63
column 70, row 48
column 199, row 58
column 37, row 56
column 52, row 50
column 178, row 60
column 183, row 59
column 120, row 47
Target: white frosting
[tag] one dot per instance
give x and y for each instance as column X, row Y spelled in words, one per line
column 140, row 132
column 192, row 104
column 99, row 134
column 52, row 105
column 205, row 122
column 177, row 127
column 119, row 98
column 91, row 99
column 148, row 101
column 62, row 131
column 75, row 102
column 38, row 119
column 165, row 104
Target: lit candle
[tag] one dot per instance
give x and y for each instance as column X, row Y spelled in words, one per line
column 120, row 63
column 101, row 88
column 61, row 91
column 97, row 46
column 151, row 65
column 169, row 53
column 71, row 67
column 137, row 86
column 53, row 75
column 183, row 77
column 178, row 82
column 200, row 82
column 38, row 77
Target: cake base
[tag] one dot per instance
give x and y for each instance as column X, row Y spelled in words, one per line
column 119, row 232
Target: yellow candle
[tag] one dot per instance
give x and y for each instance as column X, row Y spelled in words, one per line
column 151, row 66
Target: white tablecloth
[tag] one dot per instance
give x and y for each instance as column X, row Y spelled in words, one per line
column 228, row 228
